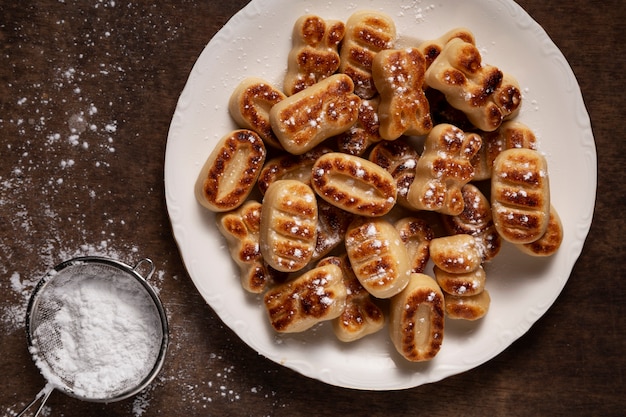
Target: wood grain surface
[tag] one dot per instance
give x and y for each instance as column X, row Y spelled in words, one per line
column 87, row 92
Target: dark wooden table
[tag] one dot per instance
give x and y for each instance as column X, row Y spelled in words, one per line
column 87, row 92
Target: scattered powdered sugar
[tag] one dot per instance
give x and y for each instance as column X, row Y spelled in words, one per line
column 60, row 130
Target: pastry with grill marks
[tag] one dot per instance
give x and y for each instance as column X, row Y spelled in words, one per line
column 250, row 105
column 231, row 170
column 416, row 235
column 551, row 240
column 511, row 134
column 332, row 224
column 432, row 48
column 456, row 254
column 471, row 308
column 481, row 91
column 367, row 33
column 357, row 139
column 241, row 228
column 378, row 256
column 361, row 316
column 416, row 319
column 290, row 167
column 399, row 158
column 316, row 296
column 314, row 54
column 399, row 78
column 305, row 119
column 461, row 285
column 354, row 184
column 443, row 169
column 288, row 225
column 475, row 220
column 520, row 195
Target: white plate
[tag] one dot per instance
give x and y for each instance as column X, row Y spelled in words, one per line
column 256, row 41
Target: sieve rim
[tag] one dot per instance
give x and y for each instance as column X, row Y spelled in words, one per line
column 132, row 271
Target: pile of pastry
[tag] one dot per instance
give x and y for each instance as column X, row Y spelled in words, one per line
column 370, row 160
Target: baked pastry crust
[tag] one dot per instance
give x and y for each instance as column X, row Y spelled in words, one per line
column 367, row 33
column 314, row 54
column 398, row 158
column 290, row 167
column 361, row 316
column 332, row 224
column 456, row 254
column 305, row 119
column 231, row 170
column 399, row 79
column 461, row 285
column 550, row 242
column 511, row 134
column 481, row 91
column 471, row 308
column 354, row 184
column 416, row 235
column 378, row 256
column 520, row 195
column 432, row 48
column 365, row 132
column 315, row 296
column 288, row 225
column 250, row 105
column 476, row 220
column 416, row 319
column 442, row 169
column 241, row 228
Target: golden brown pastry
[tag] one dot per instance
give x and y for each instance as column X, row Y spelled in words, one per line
column 550, row 242
column 241, row 227
column 332, row 224
column 511, row 134
column 354, row 184
column 480, row 91
column 432, row 48
column 416, row 319
column 443, row 168
column 399, row 158
column 290, row 167
column 416, row 235
column 361, row 316
column 297, row 305
column 378, row 256
column 471, row 308
column 305, row 119
column 230, row 171
column 461, row 285
column 520, row 195
column 357, row 139
column 314, row 54
column 475, row 220
column 250, row 105
column 456, row 254
column 367, row 33
column 399, row 78
column 288, row 225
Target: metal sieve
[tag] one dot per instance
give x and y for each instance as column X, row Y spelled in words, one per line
column 51, row 311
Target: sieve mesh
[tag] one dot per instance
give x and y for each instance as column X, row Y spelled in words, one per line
column 73, row 315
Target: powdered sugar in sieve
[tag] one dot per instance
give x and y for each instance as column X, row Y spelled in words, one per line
column 96, row 329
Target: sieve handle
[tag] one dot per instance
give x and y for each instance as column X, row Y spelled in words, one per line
column 45, row 393
column 144, row 263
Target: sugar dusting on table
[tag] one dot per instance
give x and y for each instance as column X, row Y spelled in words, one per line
column 93, row 122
